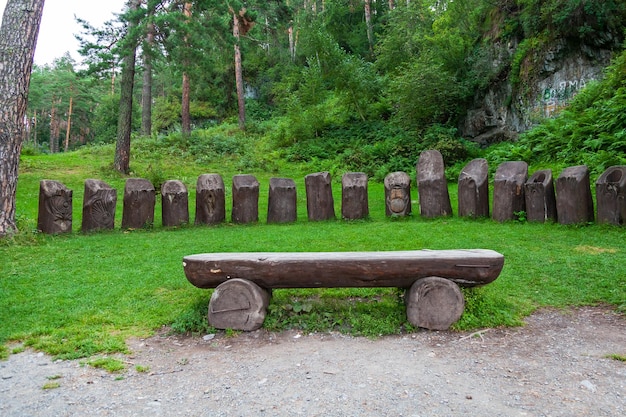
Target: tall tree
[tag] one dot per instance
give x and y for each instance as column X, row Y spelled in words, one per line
column 125, row 119
column 241, row 26
column 146, row 92
column 18, row 37
column 185, row 103
column 369, row 25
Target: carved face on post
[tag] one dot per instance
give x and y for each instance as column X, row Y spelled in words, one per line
column 398, row 200
column 397, row 194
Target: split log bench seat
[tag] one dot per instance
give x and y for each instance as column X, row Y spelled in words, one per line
column 243, row 281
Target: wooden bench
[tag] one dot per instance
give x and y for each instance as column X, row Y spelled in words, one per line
column 243, row 281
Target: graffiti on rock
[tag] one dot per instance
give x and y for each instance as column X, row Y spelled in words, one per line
column 557, row 97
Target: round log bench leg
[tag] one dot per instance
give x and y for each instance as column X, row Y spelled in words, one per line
column 434, row 303
column 238, row 304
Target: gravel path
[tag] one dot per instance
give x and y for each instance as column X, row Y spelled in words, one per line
column 556, row 365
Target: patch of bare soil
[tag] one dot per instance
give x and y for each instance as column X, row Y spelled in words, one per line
column 556, row 365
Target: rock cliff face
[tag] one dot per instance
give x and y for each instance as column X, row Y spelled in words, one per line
column 504, row 110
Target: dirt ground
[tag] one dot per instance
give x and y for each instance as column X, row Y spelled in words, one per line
column 559, row 364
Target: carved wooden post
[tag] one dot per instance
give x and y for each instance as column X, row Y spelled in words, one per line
column 354, row 203
column 175, row 203
column 139, row 201
column 320, row 204
column 98, row 206
column 474, row 189
column 432, row 186
column 55, row 207
column 611, row 196
column 245, row 199
column 210, row 199
column 282, row 204
column 508, row 190
column 397, row 194
column 574, row 203
column 434, row 303
column 540, row 198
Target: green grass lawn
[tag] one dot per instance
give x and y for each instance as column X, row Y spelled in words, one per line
column 78, row 295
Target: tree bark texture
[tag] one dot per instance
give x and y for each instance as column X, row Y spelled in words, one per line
column 185, row 112
column 69, row 126
column 186, row 87
column 239, row 75
column 54, row 125
column 125, row 119
column 368, row 23
column 18, row 37
column 344, row 269
column 146, row 92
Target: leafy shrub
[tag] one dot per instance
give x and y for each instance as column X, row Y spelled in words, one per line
column 165, row 114
column 105, row 118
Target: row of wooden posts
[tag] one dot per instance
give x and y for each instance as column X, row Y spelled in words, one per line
column 568, row 200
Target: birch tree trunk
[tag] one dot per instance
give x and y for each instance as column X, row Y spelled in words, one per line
column 368, row 23
column 18, row 38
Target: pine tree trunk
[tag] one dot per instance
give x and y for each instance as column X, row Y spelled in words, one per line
column 125, row 119
column 18, row 37
column 239, row 75
column 185, row 105
column 53, row 124
column 69, row 126
column 146, row 93
column 35, row 130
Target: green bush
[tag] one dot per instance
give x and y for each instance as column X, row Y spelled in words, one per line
column 105, row 119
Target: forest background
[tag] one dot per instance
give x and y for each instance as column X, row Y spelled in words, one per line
column 358, row 85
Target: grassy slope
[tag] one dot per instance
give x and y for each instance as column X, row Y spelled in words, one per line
column 80, row 294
